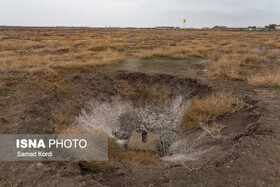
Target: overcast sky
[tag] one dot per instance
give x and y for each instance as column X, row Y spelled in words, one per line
column 139, row 13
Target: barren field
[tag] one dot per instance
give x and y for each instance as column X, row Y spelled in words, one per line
column 212, row 96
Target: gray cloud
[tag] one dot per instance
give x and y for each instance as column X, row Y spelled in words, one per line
column 199, row 13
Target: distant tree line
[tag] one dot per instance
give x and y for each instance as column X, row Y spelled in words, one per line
column 271, row 26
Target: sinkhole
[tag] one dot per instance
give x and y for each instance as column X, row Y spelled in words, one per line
column 142, row 111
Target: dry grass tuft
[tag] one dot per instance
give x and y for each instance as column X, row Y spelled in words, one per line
column 237, row 67
column 204, row 111
column 254, row 59
column 271, row 79
column 61, row 123
column 227, row 67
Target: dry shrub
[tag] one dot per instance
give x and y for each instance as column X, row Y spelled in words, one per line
column 237, row 67
column 254, row 59
column 270, row 79
column 204, row 111
column 227, row 67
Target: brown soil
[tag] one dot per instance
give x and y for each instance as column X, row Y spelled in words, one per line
column 248, row 154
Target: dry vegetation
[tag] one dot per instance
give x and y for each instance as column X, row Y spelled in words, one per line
column 269, row 79
column 238, row 67
column 203, row 112
column 141, row 159
column 144, row 92
column 46, row 58
column 56, row 52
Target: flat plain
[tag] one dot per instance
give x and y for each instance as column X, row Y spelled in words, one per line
column 213, row 96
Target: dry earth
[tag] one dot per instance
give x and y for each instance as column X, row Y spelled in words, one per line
column 49, row 75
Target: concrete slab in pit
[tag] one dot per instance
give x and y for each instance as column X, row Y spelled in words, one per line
column 152, row 144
